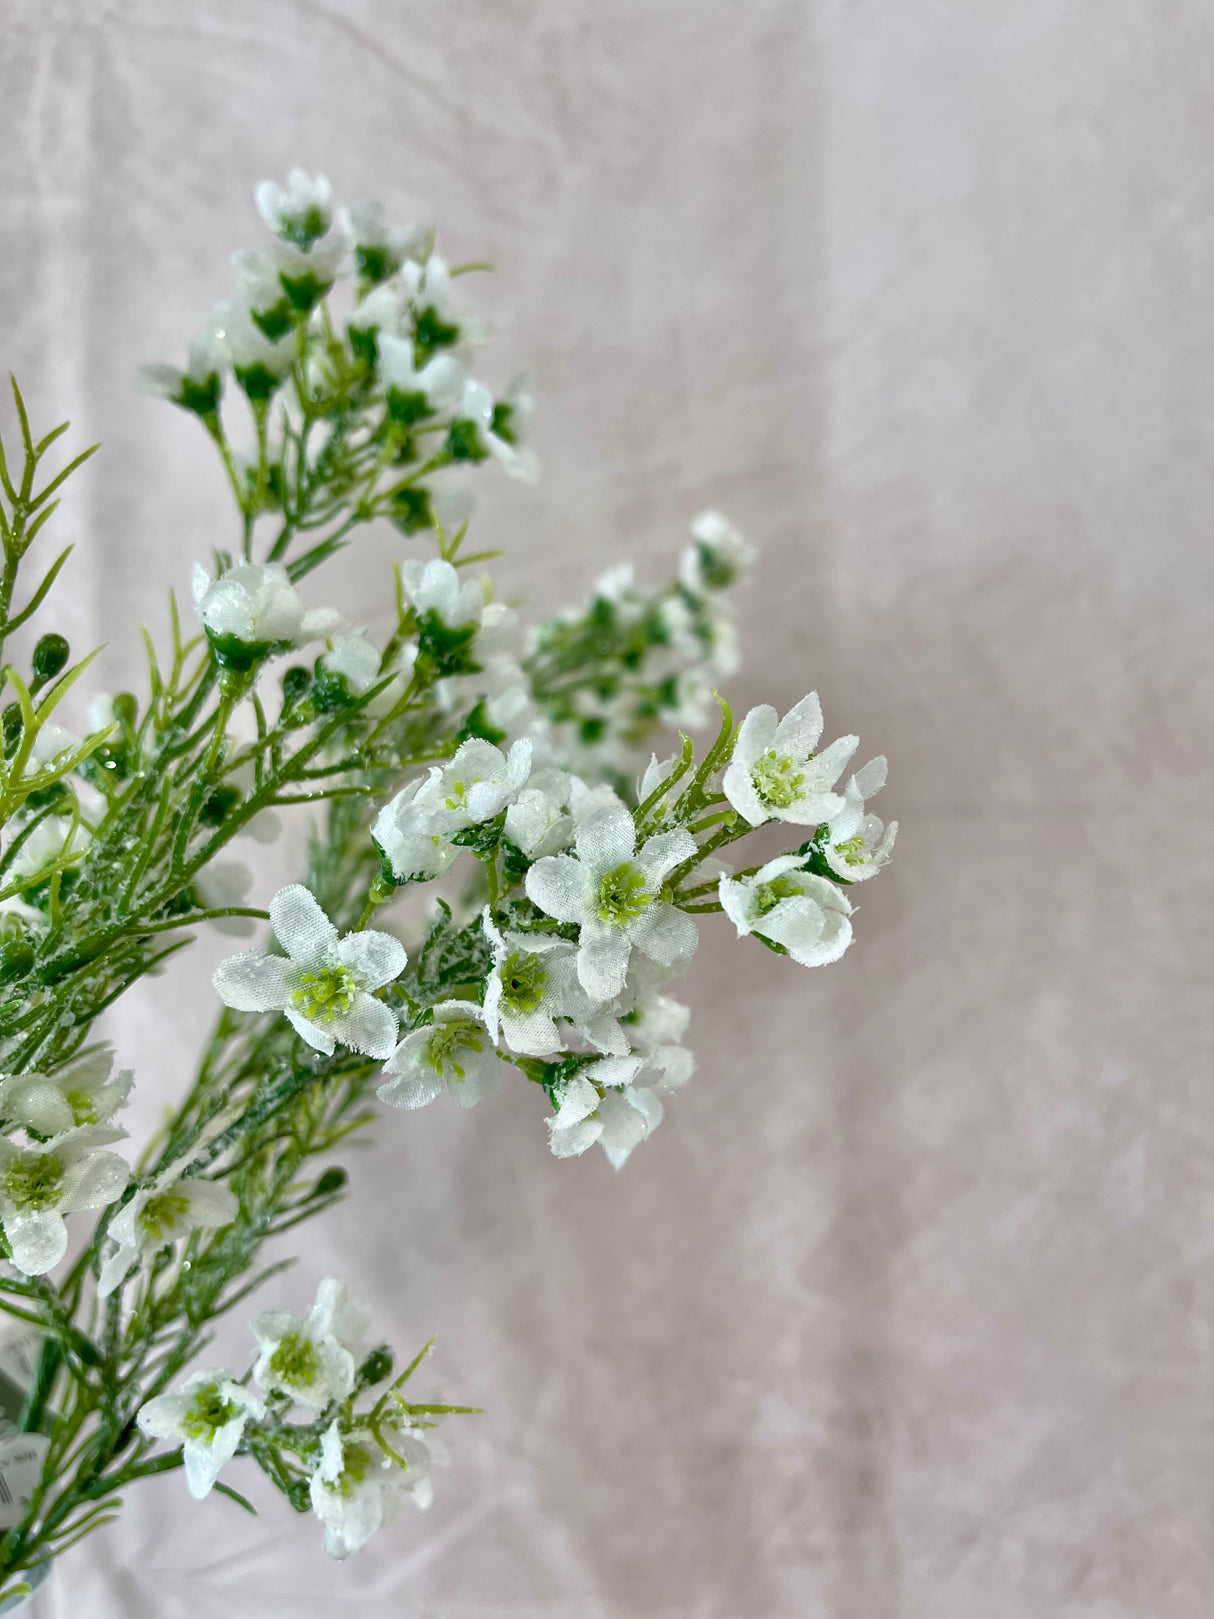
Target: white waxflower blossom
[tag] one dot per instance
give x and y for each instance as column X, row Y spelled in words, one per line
column 439, row 382
column 534, row 983
column 356, row 659
column 379, row 248
column 477, row 784
column 314, row 1360
column 719, row 556
column 206, row 1416
column 169, row 1208
column 858, row 844
column 324, row 984
column 774, row 773
column 83, row 1091
column 427, row 285
column 806, row 914
column 612, row 891
column 538, row 823
column 41, row 1183
column 353, row 1490
column 618, row 1118
column 477, row 406
column 413, row 856
column 655, row 1020
column 379, row 312
column 435, row 587
column 586, row 799
column 257, row 363
column 300, row 214
column 221, row 884
column 455, row 1050
column 254, row 609
column 196, row 388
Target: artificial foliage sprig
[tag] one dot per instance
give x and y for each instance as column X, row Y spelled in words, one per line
column 510, row 773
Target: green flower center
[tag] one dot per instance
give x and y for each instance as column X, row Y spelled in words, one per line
column 295, row 1362
column 853, row 850
column 34, row 1182
column 83, row 1105
column 623, row 895
column 777, row 780
column 457, row 796
column 325, row 995
column 447, row 1044
column 208, row 1412
column 524, row 980
column 160, row 1215
column 768, row 895
column 356, row 1462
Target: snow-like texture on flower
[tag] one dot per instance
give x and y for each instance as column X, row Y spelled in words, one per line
column 354, row 1491
column 206, row 1416
column 719, row 556
column 533, row 983
column 253, row 610
column 806, row 915
column 300, row 214
column 379, row 248
column 454, row 1050
column 538, row 823
column 82, row 1092
column 612, row 891
column 858, row 844
column 311, row 1361
column 414, row 390
column 774, row 773
column 159, row 1214
column 619, row 1116
column 258, row 364
column 198, row 387
column 477, row 406
column 435, row 587
column 413, row 856
column 355, row 660
column 476, row 785
column 41, row 1183
column 325, row 984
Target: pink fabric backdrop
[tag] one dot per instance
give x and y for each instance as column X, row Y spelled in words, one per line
column 905, row 1314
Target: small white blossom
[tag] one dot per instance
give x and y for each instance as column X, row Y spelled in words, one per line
column 858, row 844
column 719, row 556
column 455, row 1050
column 413, row 856
column 618, row 1117
column 258, row 364
column 477, row 784
column 41, row 1183
column 655, row 1020
column 477, row 406
column 534, row 983
column 256, row 608
column 81, row 1092
column 807, row 915
column 301, row 213
column 435, row 587
column 612, row 891
column 538, row 823
column 774, row 773
column 314, row 1360
column 196, row 388
column 324, row 984
column 353, row 1490
column 439, row 382
column 159, row 1214
column 356, row 660
column 206, row 1417
column 379, row 248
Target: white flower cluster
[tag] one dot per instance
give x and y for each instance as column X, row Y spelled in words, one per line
column 358, row 1470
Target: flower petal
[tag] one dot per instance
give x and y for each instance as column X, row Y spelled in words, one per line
column 92, row 1182
column 374, row 958
column 607, row 838
column 799, row 730
column 665, row 934
column 319, row 1039
column 416, row 1088
column 38, row 1241
column 369, row 1026
column 302, row 928
column 602, row 961
column 252, row 982
column 662, row 854
column 557, row 884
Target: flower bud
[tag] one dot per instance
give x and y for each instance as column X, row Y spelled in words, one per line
column 50, row 656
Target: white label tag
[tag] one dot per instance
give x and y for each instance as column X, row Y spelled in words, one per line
column 21, row 1458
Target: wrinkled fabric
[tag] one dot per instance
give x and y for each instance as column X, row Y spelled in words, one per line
column 904, row 1311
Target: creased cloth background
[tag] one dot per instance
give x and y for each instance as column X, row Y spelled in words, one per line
column 904, row 1314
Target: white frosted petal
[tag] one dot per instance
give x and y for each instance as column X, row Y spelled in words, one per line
column 369, row 1026
column 799, row 730
column 606, row 839
column 416, row 1087
column 211, row 1203
column 319, row 1039
column 253, row 982
column 92, row 1182
column 556, row 884
column 570, row 1141
column 665, row 934
column 374, row 958
column 740, row 791
column 302, row 928
column 602, row 962
column 482, row 1076
column 755, row 735
column 38, row 1241
column 663, row 853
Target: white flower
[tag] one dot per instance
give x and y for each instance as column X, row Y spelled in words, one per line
column 612, row 891
column 585, row 800
column 534, row 982
column 379, row 312
column 356, row 660
column 206, row 1417
column 719, row 556
column 618, row 1118
column 413, row 856
column 807, row 915
column 774, row 773
column 324, row 984
column 81, row 1092
column 655, row 1020
column 159, row 1214
column 353, row 1490
column 455, row 1050
column 435, row 386
column 538, row 822
column 379, row 248
column 222, row 884
column 476, row 405
column 254, row 609
column 477, row 784
column 258, row 364
column 198, row 387
column 302, row 213
column 857, row 844
column 427, row 285
column 39, row 1184
column 435, row 587
column 315, row 1360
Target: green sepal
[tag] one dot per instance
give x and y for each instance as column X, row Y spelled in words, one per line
column 430, row 332
column 463, row 442
column 449, row 650
column 479, row 725
column 483, row 838
column 515, row 863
